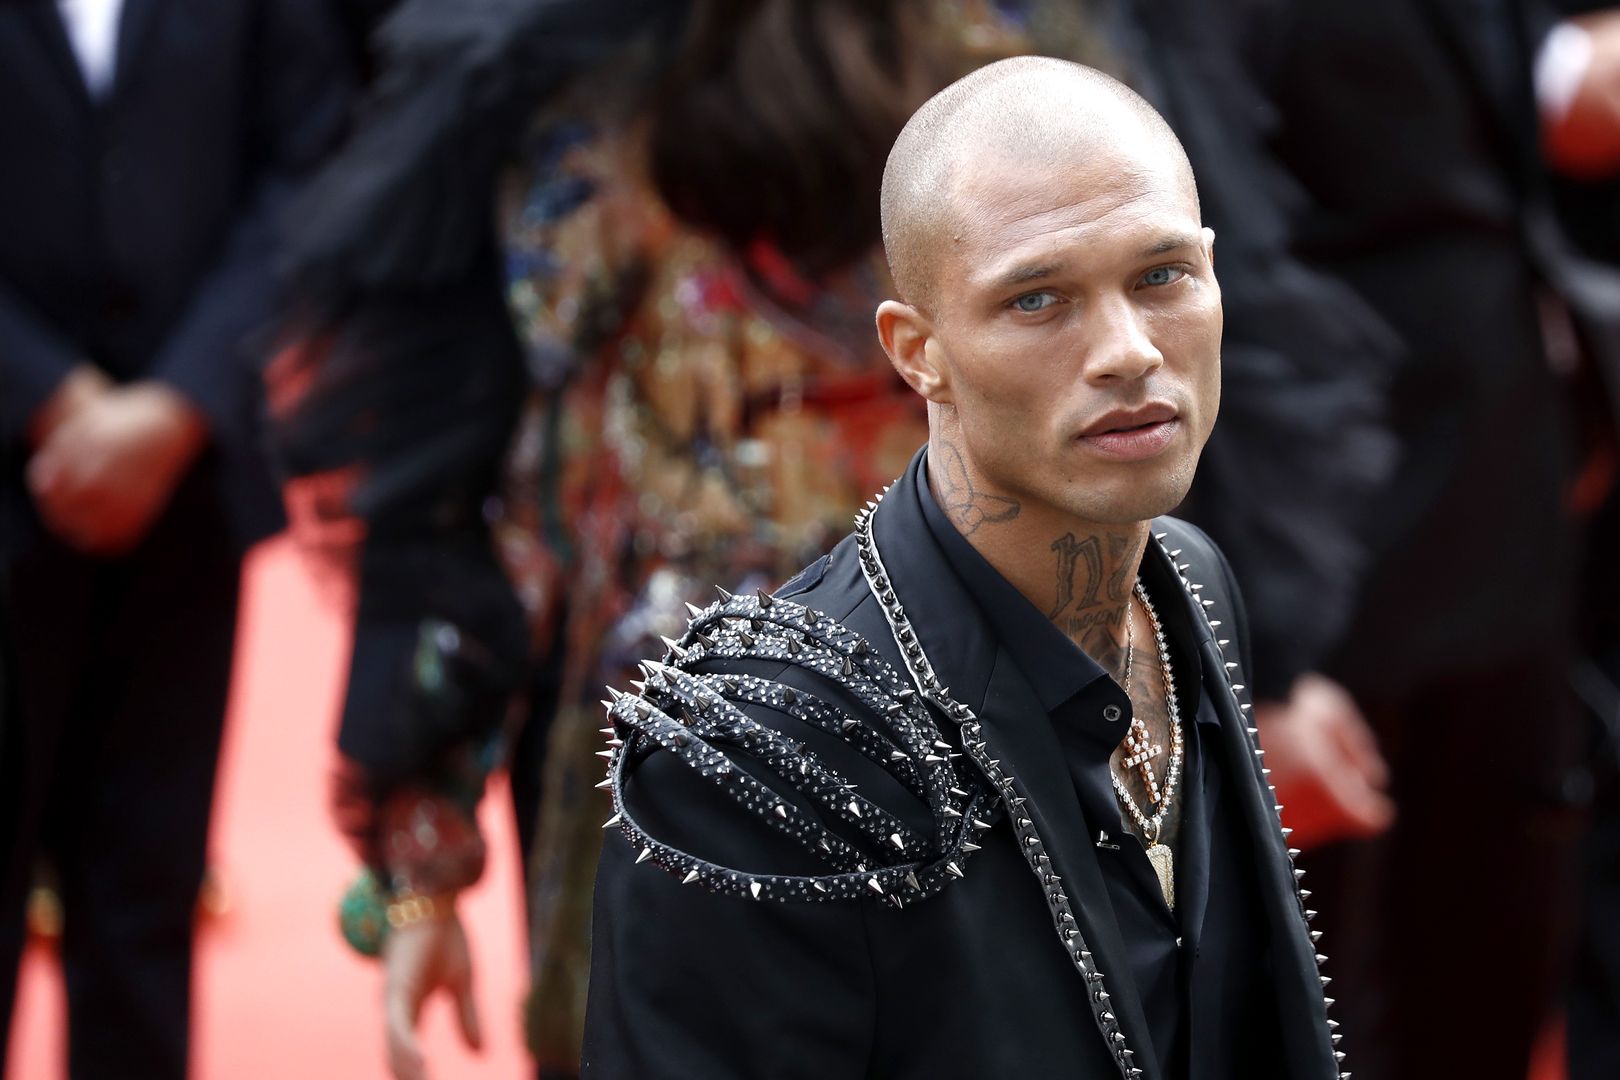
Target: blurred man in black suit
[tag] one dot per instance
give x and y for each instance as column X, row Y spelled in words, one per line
column 148, row 147
column 1414, row 126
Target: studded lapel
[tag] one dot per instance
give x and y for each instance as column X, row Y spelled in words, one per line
column 982, row 674
column 1302, row 1006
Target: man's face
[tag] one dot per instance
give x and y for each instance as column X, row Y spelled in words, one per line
column 1077, row 323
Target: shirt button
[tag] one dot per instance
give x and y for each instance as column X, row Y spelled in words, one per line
column 1111, row 713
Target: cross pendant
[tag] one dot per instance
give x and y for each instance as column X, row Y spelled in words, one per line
column 1140, row 757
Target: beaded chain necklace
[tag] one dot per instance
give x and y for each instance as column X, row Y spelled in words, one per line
column 1140, row 752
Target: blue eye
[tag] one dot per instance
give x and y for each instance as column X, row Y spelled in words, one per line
column 1031, row 303
column 1163, row 275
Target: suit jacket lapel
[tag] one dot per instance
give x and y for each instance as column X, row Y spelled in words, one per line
column 45, row 21
column 982, row 675
column 133, row 28
column 1491, row 48
column 1300, row 1004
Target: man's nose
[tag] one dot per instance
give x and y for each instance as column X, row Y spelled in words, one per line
column 1121, row 347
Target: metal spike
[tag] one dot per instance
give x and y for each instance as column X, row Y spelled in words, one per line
column 877, row 886
column 764, row 599
column 954, row 870
column 612, row 821
column 605, row 754
column 894, row 838
column 753, row 887
column 691, row 876
column 606, row 785
column 724, row 595
column 818, row 886
column 780, row 810
column 646, row 853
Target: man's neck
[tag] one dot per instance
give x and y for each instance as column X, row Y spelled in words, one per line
column 1080, row 574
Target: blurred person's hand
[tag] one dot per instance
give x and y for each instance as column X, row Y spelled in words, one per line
column 108, row 464
column 1325, row 764
column 1583, row 139
column 84, row 384
column 419, row 959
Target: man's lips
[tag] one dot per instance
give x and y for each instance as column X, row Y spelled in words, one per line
column 1129, row 419
column 1132, row 435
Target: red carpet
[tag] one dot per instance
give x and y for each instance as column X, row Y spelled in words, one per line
column 278, row 992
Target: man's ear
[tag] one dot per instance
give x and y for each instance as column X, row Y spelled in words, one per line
column 908, row 337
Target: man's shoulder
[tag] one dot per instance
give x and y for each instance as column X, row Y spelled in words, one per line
column 776, row 735
column 833, row 574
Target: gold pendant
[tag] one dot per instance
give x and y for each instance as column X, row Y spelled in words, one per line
column 1164, row 864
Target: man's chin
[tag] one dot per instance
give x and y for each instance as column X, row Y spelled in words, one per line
column 1121, row 496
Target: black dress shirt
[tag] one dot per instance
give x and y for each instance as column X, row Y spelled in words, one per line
column 1215, row 881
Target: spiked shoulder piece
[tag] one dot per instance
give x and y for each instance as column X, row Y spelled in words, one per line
column 698, row 708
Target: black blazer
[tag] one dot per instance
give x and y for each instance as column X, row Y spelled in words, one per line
column 135, row 232
column 1413, row 126
column 973, row 982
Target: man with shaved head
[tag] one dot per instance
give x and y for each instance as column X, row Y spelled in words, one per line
column 976, row 794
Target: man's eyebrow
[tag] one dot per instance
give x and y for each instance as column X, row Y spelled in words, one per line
column 1167, row 244
column 1027, row 272
column 1024, row 273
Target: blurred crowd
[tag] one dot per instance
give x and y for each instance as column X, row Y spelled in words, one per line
column 534, row 318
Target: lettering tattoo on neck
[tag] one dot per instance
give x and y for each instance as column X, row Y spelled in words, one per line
column 967, row 507
column 1096, row 602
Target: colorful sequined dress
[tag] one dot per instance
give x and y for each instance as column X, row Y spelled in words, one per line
column 698, row 417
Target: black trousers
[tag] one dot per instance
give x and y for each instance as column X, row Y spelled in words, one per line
column 121, row 673
column 1594, row 996
column 1448, row 937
